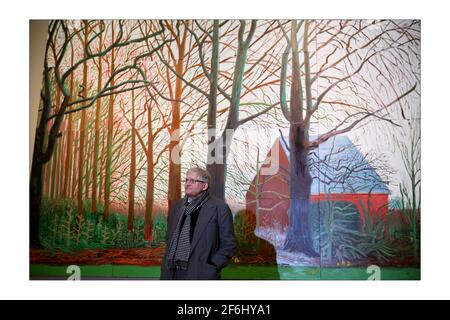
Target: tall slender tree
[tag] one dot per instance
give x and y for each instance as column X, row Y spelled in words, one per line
column 132, row 182
column 110, row 129
column 95, row 163
column 83, row 124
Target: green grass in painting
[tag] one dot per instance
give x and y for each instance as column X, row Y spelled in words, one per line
column 361, row 274
column 230, row 273
column 102, row 271
column 61, row 229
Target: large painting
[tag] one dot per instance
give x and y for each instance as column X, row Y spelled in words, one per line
column 310, row 130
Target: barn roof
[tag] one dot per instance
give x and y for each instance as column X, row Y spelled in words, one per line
column 338, row 166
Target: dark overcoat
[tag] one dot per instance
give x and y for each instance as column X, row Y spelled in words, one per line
column 213, row 242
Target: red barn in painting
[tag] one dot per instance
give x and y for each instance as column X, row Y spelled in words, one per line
column 340, row 173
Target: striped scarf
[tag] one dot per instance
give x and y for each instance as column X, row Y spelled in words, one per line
column 180, row 245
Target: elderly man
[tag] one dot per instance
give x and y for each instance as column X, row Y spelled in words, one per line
column 200, row 236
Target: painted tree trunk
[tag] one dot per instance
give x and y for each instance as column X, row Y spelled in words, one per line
column 97, row 129
column 132, row 181
column 54, row 167
column 47, row 170
column 212, row 115
column 36, row 192
column 56, row 157
column 47, row 167
column 174, row 185
column 149, row 197
column 57, row 154
column 299, row 234
column 218, row 173
column 88, row 160
column 102, row 166
column 39, row 160
column 75, row 156
column 81, row 152
column 60, row 164
column 219, row 170
column 68, row 160
column 110, row 136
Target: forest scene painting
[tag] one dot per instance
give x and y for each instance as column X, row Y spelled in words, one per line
column 310, row 130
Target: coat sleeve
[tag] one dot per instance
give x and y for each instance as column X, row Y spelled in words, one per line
column 227, row 239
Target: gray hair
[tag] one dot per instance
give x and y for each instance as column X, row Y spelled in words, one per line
column 202, row 173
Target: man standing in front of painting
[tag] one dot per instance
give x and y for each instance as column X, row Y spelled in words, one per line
column 200, row 236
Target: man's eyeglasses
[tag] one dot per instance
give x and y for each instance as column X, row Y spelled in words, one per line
column 193, row 181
